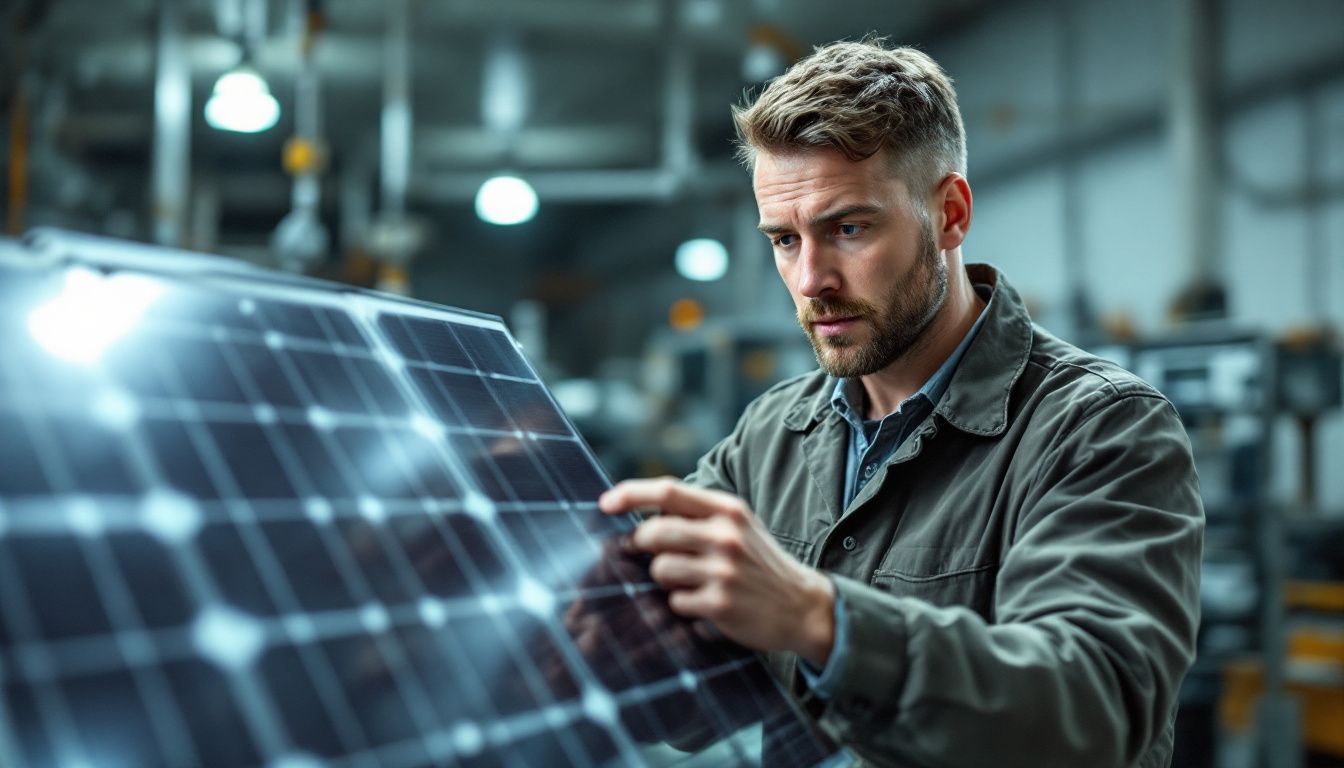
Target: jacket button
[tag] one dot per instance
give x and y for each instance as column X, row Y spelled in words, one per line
column 850, row 543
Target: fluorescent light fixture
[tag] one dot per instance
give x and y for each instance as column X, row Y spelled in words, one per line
column 506, row 200
column 702, row 259
column 242, row 102
column 91, row 313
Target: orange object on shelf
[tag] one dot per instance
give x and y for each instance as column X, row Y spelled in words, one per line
column 1314, row 674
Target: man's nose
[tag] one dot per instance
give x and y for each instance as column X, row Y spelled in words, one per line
column 817, row 274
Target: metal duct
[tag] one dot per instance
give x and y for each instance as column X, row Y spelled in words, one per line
column 1194, row 138
column 301, row 240
column 172, row 129
column 396, row 118
column 679, row 171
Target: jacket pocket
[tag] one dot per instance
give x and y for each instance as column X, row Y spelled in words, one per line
column 801, row 549
column 942, row 577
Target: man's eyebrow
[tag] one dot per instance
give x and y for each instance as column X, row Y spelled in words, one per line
column 857, row 209
column 830, row 217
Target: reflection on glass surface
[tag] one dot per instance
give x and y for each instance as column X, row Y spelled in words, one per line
column 91, row 313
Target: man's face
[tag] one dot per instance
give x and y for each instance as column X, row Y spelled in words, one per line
column 858, row 257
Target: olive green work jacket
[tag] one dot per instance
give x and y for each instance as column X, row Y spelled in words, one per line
column 1020, row 580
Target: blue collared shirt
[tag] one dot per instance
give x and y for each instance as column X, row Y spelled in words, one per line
column 871, row 443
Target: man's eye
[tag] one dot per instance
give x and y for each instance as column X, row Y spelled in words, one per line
column 786, row 240
column 850, row 230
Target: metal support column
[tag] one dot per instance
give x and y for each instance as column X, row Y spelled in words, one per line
column 172, row 129
column 396, row 118
column 1195, row 138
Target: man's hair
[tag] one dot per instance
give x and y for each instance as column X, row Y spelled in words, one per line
column 861, row 98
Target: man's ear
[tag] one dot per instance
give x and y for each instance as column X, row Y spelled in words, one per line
column 951, row 209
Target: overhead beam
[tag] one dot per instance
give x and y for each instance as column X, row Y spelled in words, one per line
column 1149, row 122
column 532, row 147
column 595, row 186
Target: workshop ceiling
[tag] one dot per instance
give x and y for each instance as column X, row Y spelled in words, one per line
column 596, row 99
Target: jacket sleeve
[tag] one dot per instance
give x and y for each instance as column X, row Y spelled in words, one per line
column 1095, row 611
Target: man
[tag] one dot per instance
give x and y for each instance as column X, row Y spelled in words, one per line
column 963, row 542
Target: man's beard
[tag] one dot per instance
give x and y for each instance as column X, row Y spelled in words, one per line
column 897, row 323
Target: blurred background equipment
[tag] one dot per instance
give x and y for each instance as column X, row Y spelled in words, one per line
column 1232, row 388
column 1162, row 180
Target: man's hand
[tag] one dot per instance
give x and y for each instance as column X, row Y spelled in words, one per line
column 717, row 562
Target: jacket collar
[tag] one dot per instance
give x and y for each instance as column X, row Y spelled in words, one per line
column 977, row 398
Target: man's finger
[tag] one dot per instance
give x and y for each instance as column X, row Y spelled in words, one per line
column 671, row 534
column 705, row 602
column 670, row 496
column 675, row 571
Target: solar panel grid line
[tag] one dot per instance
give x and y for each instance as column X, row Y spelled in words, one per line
column 254, row 700
column 257, row 707
column 554, row 490
column 468, row 560
column 417, row 700
column 539, row 690
column 575, row 664
column 117, row 601
column 9, row 754
column 25, row 518
column 187, row 330
column 449, row 743
column 169, row 729
column 157, row 409
column 436, row 367
column 120, row 607
column 56, row 660
column 52, row 709
column 543, row 475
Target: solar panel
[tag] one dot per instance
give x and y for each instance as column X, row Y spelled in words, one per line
column 253, row 519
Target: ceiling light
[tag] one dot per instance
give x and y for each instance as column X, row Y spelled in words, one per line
column 506, row 200
column 702, row 259
column 242, row 102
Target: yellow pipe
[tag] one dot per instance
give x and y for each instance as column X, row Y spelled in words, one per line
column 18, row 155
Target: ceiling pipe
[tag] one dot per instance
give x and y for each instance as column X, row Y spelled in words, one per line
column 301, row 240
column 395, row 237
column 355, row 198
column 171, row 172
column 678, row 174
column 1070, row 92
column 1193, row 128
column 678, row 142
column 395, row 147
column 18, row 132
